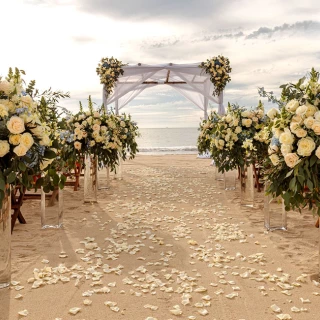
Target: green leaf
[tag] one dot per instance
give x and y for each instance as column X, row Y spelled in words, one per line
column 313, row 160
column 22, row 166
column 2, row 184
column 49, row 154
column 292, row 184
column 11, row 177
column 289, row 173
column 310, row 185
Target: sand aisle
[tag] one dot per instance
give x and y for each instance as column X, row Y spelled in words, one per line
column 165, row 240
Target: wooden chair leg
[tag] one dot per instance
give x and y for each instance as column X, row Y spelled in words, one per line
column 317, row 223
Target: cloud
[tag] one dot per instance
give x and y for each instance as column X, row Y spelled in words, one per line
column 304, row 26
column 150, row 9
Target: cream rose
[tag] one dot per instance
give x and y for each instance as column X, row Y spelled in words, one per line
column 285, row 149
column 311, row 110
column 38, row 131
column 309, row 122
column 300, row 133
column 294, row 126
column 274, row 159
column 301, row 110
column 27, row 139
column 96, row 114
column 306, row 146
column 6, row 87
column 238, row 130
column 291, row 159
column 318, row 152
column 286, row 137
column 20, row 150
column 272, row 149
column 297, row 119
column 15, row 125
column 45, row 141
column 246, row 122
column 292, row 105
column 228, row 118
column 317, row 115
column 245, row 114
column 96, row 127
column 272, row 113
column 77, row 145
column 221, row 142
column 4, row 148
column 122, row 124
column 92, row 143
column 26, row 99
column 316, row 127
column 14, row 139
column 3, row 110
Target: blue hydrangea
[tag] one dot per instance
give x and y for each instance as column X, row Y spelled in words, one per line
column 21, row 110
column 275, row 142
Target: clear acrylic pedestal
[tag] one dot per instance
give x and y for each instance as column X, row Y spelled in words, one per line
column 52, row 209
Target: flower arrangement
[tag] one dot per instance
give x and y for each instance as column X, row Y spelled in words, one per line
column 219, row 70
column 24, row 139
column 293, row 163
column 206, row 129
column 109, row 70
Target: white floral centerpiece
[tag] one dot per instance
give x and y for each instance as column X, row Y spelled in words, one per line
column 109, row 70
column 294, row 152
column 24, row 138
column 219, row 70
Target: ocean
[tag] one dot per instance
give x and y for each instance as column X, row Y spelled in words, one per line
column 168, row 140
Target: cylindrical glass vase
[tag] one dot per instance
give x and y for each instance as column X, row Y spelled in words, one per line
column 275, row 215
column 104, row 178
column 219, row 176
column 247, row 186
column 230, row 180
column 90, row 184
column 5, row 242
column 52, row 209
column 118, row 169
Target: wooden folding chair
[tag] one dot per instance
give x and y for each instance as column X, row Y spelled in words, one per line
column 17, row 195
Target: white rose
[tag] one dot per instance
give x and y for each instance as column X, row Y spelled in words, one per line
column 311, row 110
column 246, row 122
column 20, row 150
column 229, row 118
column 294, row 126
column 286, row 137
column 297, row 119
column 238, row 130
column 316, row 127
column 38, row 131
column 301, row 110
column 4, row 147
column 245, row 114
column 3, row 110
column 77, row 145
column 292, row 105
column 45, row 141
column 306, row 146
column 291, row 159
column 27, row 140
column 317, row 115
column 96, row 127
column 6, row 87
column 272, row 149
column 318, row 152
column 274, row 159
column 309, row 122
column 15, row 125
column 285, row 149
column 272, row 113
column 300, row 133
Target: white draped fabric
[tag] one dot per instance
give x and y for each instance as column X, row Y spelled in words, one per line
column 188, row 79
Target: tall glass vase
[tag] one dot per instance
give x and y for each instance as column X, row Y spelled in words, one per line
column 275, row 215
column 219, row 176
column 247, row 186
column 103, row 178
column 230, row 180
column 5, row 242
column 118, row 169
column 52, row 209
column 90, row 179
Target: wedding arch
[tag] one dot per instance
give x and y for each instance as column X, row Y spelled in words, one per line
column 188, row 79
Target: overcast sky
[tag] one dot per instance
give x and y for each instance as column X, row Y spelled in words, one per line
column 60, row 42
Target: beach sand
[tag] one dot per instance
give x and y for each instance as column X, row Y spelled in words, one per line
column 167, row 234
